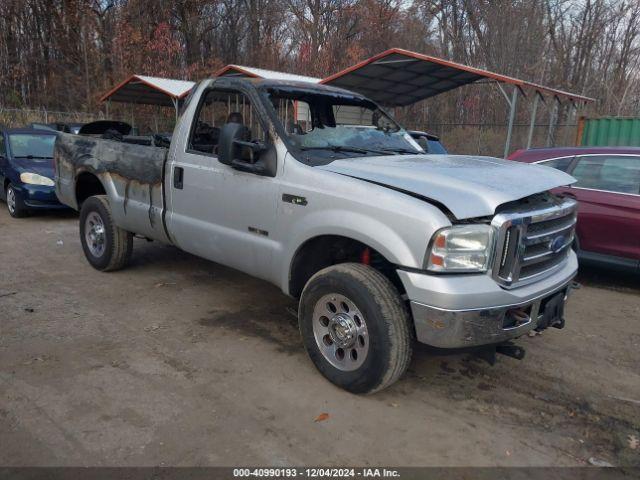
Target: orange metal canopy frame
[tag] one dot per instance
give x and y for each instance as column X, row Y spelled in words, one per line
column 394, row 78
column 398, row 77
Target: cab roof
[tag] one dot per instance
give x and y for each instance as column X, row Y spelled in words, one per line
column 295, row 86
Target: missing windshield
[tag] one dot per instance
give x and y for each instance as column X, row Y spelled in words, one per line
column 324, row 126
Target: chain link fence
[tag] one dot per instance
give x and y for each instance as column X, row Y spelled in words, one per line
column 20, row 117
column 146, row 120
column 482, row 139
column 458, row 138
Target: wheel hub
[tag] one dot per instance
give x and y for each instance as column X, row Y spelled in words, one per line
column 11, row 200
column 95, row 234
column 340, row 331
column 343, row 330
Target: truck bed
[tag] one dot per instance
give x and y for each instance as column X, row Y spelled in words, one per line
column 131, row 174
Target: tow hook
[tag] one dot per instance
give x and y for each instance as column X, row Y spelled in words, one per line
column 508, row 348
column 511, row 350
column 559, row 324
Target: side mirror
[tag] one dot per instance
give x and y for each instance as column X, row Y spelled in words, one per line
column 423, row 142
column 233, row 145
column 252, row 157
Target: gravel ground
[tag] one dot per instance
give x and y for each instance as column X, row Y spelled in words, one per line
column 179, row 361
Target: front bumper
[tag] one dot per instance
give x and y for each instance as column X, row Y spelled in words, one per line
column 40, row 196
column 457, row 311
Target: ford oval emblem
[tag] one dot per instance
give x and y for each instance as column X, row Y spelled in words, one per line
column 557, row 243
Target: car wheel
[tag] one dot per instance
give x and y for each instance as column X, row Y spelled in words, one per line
column 106, row 246
column 15, row 204
column 355, row 327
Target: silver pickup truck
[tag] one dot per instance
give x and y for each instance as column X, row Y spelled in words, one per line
column 319, row 191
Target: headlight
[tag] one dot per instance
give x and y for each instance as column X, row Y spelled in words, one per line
column 465, row 248
column 35, row 179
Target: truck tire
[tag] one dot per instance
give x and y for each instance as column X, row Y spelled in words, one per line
column 355, row 327
column 106, row 246
column 15, row 204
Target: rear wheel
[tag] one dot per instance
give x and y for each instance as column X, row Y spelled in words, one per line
column 355, row 327
column 106, row 246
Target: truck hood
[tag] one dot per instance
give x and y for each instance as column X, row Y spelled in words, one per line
column 469, row 186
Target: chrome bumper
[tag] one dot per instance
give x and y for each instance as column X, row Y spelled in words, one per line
column 468, row 311
column 468, row 328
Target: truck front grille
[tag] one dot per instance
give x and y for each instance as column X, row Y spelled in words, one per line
column 533, row 243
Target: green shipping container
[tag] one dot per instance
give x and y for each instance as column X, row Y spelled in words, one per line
column 609, row 132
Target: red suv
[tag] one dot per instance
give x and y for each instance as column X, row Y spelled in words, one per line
column 608, row 193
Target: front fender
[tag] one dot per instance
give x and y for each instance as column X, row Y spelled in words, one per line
column 382, row 237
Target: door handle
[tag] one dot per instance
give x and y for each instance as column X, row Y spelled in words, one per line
column 178, row 177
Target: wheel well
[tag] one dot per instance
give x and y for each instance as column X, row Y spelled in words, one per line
column 326, row 250
column 88, row 185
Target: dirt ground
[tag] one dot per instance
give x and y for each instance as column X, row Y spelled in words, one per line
column 179, row 361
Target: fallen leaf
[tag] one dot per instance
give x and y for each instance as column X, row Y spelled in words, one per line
column 508, row 453
column 394, row 405
column 634, row 442
column 322, row 417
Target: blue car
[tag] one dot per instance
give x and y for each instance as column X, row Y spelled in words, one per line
column 26, row 170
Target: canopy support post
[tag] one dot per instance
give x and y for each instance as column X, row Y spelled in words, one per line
column 107, row 106
column 512, row 117
column 534, row 111
column 552, row 122
column 504, row 94
column 175, row 105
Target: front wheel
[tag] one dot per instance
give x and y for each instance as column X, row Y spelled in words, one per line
column 355, row 327
column 106, row 246
column 15, row 204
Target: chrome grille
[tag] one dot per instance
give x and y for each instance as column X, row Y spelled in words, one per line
column 532, row 243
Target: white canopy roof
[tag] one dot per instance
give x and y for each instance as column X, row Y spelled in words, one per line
column 144, row 89
column 149, row 90
column 242, row 71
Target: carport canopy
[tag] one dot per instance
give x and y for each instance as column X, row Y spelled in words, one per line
column 146, row 90
column 398, row 78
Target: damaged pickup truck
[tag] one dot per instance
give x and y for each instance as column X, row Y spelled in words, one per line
column 320, row 192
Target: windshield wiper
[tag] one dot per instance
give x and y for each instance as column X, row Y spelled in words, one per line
column 31, row 157
column 347, row 149
column 404, row 151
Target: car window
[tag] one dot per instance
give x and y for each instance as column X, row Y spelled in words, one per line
column 31, row 145
column 435, row 147
column 218, row 108
column 3, row 149
column 324, row 124
column 558, row 163
column 613, row 173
